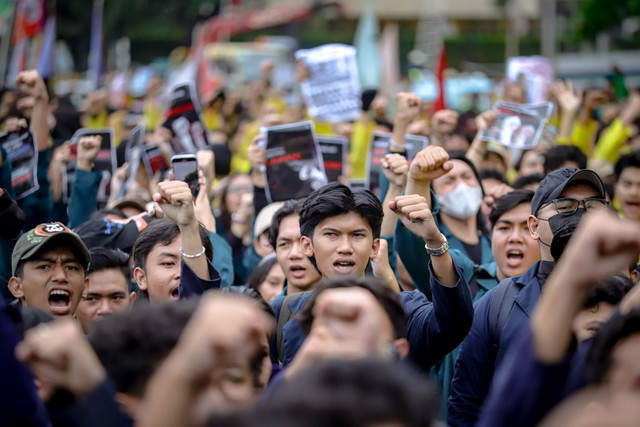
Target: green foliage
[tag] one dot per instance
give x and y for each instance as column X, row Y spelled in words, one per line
column 600, row 15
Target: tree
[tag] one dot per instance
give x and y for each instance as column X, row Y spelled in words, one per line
column 601, row 15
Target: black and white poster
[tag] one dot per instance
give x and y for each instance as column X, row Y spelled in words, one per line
column 133, row 154
column 105, row 162
column 379, row 148
column 294, row 164
column 332, row 91
column 518, row 126
column 154, row 161
column 183, row 120
column 23, row 154
column 334, row 151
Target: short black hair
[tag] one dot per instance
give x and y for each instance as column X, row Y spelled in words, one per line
column 163, row 232
column 389, row 301
column 361, row 392
column 337, row 199
column 261, row 271
column 507, row 202
column 600, row 356
column 106, row 258
column 610, row 290
column 490, row 173
column 557, row 156
column 523, row 181
column 131, row 344
column 631, row 160
column 290, row 207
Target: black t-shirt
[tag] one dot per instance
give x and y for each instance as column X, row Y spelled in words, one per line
column 474, row 251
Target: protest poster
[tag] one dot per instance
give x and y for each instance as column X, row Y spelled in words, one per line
column 133, row 154
column 23, row 155
column 105, row 162
column 183, row 120
column 334, row 151
column 294, row 164
column 537, row 72
column 379, row 148
column 154, row 161
column 332, row 91
column 518, row 126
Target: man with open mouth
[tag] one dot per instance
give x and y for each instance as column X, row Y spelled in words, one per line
column 49, row 269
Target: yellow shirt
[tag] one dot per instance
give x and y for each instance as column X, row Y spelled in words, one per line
column 359, row 148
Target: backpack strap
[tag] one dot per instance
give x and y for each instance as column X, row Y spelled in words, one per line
column 285, row 315
column 499, row 309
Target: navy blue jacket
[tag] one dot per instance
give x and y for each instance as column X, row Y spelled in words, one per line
column 433, row 328
column 478, row 360
column 524, row 389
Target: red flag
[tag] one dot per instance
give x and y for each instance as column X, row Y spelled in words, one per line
column 442, row 65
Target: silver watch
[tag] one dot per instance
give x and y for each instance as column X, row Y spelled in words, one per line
column 438, row 251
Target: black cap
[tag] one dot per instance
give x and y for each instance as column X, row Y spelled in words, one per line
column 552, row 186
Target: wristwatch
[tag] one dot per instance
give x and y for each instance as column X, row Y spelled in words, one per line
column 438, row 251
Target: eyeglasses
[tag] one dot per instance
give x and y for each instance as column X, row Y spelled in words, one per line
column 567, row 205
column 237, row 189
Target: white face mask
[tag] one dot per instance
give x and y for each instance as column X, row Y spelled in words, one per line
column 462, row 202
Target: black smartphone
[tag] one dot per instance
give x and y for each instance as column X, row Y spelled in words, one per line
column 185, row 168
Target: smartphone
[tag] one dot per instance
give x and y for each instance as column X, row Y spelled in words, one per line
column 185, row 168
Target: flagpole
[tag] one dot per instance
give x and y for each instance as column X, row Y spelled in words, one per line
column 5, row 44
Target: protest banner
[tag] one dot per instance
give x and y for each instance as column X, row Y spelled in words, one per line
column 332, row 91
column 334, row 151
column 105, row 162
column 23, row 156
column 518, row 126
column 154, row 161
column 379, row 148
column 183, row 120
column 537, row 72
column 133, row 154
column 294, row 164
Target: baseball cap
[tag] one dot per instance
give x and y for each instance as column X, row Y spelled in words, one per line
column 47, row 234
column 552, row 186
column 265, row 218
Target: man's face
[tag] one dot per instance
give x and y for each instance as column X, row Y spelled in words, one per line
column 539, row 224
column 342, row 245
column 52, row 282
column 588, row 321
column 106, row 292
column 513, row 248
column 627, row 191
column 297, row 268
column 461, row 172
column 531, row 163
column 161, row 276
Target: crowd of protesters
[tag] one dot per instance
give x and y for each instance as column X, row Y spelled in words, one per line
column 482, row 286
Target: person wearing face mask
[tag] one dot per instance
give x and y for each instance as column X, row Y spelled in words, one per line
column 503, row 313
column 452, row 189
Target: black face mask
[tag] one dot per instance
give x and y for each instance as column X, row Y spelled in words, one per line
column 562, row 226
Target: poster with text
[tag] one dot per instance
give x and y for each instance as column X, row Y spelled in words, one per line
column 23, row 154
column 379, row 148
column 154, row 162
column 105, row 162
column 334, row 151
column 518, row 126
column 294, row 164
column 183, row 120
column 332, row 91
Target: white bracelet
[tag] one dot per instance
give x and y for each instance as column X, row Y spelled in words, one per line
column 192, row 256
column 396, row 145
